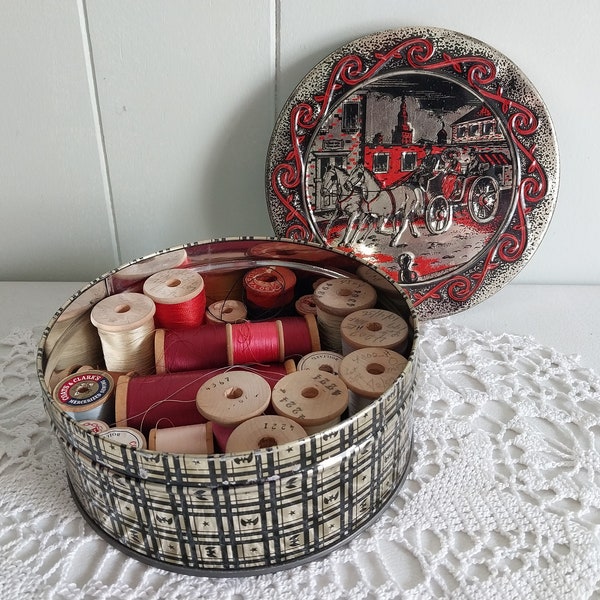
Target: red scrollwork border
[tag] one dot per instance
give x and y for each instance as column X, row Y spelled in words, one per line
column 419, row 53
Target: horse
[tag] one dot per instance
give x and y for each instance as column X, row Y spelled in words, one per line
column 401, row 203
column 335, row 181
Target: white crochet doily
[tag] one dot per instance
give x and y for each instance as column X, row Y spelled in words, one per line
column 503, row 499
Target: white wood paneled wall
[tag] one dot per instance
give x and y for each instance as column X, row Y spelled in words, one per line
column 131, row 126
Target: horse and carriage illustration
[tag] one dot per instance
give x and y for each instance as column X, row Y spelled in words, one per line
column 440, row 185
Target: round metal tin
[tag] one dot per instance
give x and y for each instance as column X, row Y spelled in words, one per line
column 241, row 513
column 423, row 151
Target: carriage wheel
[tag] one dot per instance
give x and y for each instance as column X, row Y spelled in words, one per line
column 438, row 215
column 483, row 199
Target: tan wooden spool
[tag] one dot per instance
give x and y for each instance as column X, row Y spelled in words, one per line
column 373, row 328
column 264, row 431
column 336, row 298
column 227, row 311
column 232, row 397
column 314, row 399
column 368, row 373
column 173, row 286
column 321, row 360
column 125, row 435
column 186, row 439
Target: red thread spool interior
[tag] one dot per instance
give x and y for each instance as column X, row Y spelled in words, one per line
column 270, row 287
column 182, row 315
column 191, row 349
column 255, row 343
column 297, row 339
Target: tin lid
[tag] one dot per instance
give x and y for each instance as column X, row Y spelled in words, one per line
column 423, row 151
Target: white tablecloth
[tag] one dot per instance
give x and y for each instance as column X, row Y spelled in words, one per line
column 503, row 499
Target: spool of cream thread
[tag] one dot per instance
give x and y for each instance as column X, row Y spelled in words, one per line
column 232, row 397
column 368, row 373
column 186, row 439
column 373, row 328
column 227, row 311
column 175, row 288
column 87, row 395
column 125, row 323
column 322, row 360
column 264, row 431
column 73, row 336
column 337, row 298
column 126, row 436
column 314, row 399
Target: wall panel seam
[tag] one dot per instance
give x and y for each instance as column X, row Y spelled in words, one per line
column 99, row 130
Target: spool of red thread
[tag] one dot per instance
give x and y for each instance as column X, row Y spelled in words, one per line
column 300, row 335
column 170, row 399
column 179, row 298
column 190, row 349
column 269, row 288
column 249, row 343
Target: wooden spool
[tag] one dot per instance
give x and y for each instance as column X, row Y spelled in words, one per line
column 86, row 395
column 125, row 323
column 264, row 431
column 232, row 397
column 176, row 287
column 321, row 360
column 373, row 328
column 368, row 373
column 336, row 298
column 227, row 311
column 314, row 399
column 126, row 436
column 186, row 439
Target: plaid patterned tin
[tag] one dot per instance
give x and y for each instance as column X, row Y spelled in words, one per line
column 251, row 512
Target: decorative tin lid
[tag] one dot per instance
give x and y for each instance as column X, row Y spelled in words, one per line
column 423, row 151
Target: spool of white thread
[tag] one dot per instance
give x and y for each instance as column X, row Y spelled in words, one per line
column 227, row 311
column 186, row 439
column 264, row 431
column 373, row 328
column 126, row 436
column 232, row 397
column 321, row 360
column 314, row 399
column 336, row 298
column 86, row 395
column 368, row 373
column 125, row 324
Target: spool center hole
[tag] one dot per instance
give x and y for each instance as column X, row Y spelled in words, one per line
column 267, row 278
column 374, row 326
column 326, row 368
column 345, row 292
column 375, row 369
column 122, row 308
column 310, row 392
column 234, row 392
column 172, row 283
column 267, row 442
column 227, row 310
column 83, row 389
